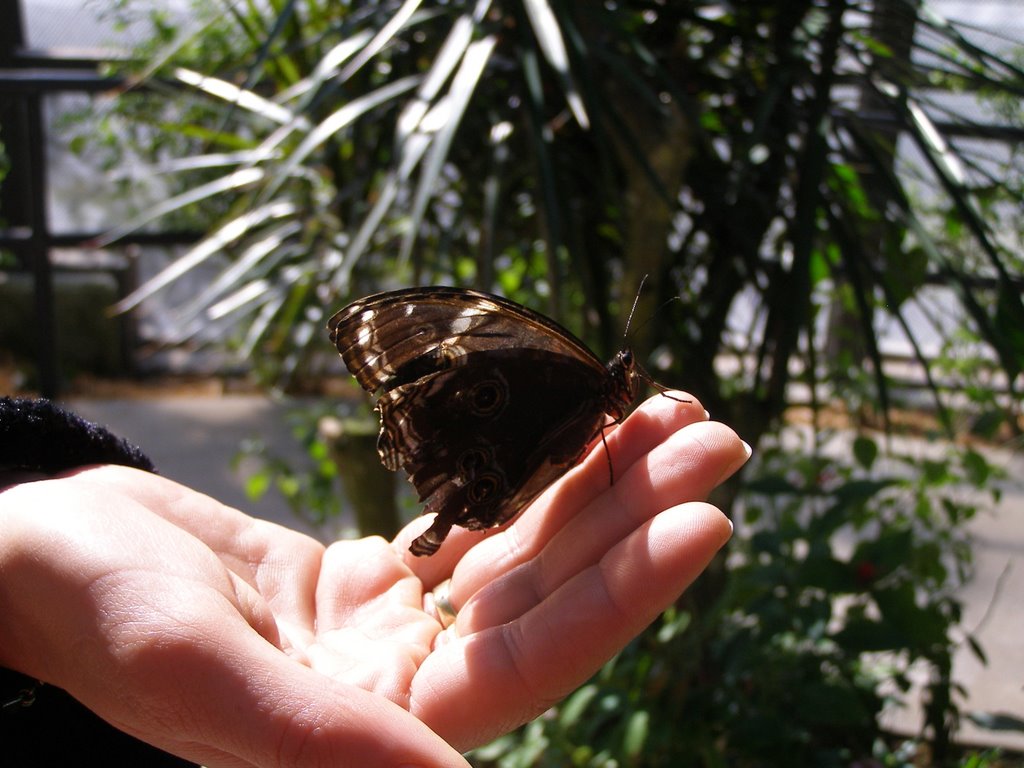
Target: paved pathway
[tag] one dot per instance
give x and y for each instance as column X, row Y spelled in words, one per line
column 194, row 439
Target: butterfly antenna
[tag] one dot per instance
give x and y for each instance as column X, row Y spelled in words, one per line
column 636, row 300
column 662, row 390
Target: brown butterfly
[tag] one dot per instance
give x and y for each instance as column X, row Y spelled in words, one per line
column 485, row 403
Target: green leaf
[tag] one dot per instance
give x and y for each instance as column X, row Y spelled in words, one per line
column 892, row 549
column 865, row 451
column 381, row 39
column 228, row 233
column 857, row 492
column 997, row 721
column 772, row 485
column 1010, row 321
column 570, row 712
column 979, row 471
column 336, row 122
column 830, row 704
column 674, row 623
column 256, row 485
column 637, row 728
column 552, row 45
column 863, row 635
column 463, row 86
column 922, row 627
column 827, row 573
column 904, row 274
column 977, row 649
column 232, row 182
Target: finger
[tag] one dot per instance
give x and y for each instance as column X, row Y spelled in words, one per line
column 650, row 424
column 474, row 687
column 683, row 468
column 574, row 524
column 372, row 630
column 654, row 422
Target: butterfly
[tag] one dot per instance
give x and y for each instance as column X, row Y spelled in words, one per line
column 483, row 402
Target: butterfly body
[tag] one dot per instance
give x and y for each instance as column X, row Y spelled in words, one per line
column 483, row 402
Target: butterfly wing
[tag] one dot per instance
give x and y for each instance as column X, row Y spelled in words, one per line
column 479, row 444
column 484, row 402
column 393, row 337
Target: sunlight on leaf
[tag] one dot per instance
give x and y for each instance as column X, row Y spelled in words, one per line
column 933, row 138
column 545, row 26
column 338, row 121
column 196, row 163
column 211, row 245
column 382, row 38
column 238, row 299
column 327, row 67
column 462, row 88
column 233, row 182
column 261, row 324
column 444, row 64
column 269, row 245
column 239, row 97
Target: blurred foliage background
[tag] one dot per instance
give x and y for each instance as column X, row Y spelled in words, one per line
column 798, row 181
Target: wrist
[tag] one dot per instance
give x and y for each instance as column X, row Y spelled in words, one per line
column 33, row 567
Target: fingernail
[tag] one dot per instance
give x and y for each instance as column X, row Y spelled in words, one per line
column 736, row 465
column 707, row 416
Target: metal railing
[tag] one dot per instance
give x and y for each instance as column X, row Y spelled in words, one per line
column 27, row 77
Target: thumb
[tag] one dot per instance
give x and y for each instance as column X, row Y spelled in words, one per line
column 252, row 705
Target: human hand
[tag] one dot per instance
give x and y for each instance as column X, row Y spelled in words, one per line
column 544, row 602
column 232, row 641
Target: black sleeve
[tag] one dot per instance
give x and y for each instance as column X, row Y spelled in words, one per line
column 37, row 435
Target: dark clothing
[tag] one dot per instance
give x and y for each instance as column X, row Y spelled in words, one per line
column 37, row 435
